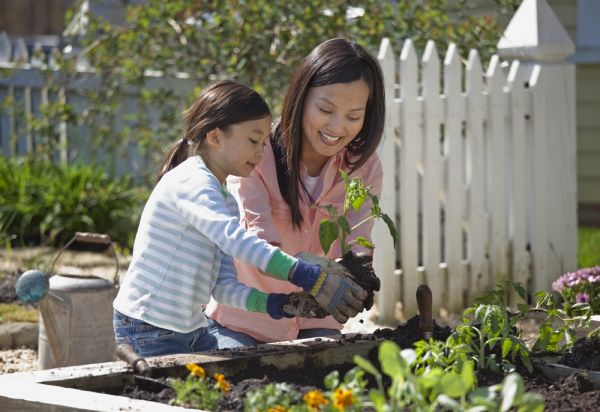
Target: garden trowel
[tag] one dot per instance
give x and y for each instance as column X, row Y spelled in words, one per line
column 424, row 299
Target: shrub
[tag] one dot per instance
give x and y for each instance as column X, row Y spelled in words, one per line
column 45, row 203
column 582, row 286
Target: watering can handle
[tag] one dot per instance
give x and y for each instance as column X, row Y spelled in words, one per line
column 87, row 237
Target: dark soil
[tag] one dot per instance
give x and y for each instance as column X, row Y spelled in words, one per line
column 585, row 354
column 361, row 268
column 575, row 393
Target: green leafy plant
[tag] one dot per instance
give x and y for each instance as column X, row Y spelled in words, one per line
column 198, row 390
column 43, row 202
column 437, row 388
column 337, row 225
column 558, row 330
column 490, row 329
column 273, row 396
column 345, row 395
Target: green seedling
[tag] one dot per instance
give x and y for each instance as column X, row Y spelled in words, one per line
column 337, row 225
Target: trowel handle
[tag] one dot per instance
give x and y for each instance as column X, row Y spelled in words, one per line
column 86, row 237
column 424, row 303
column 126, row 353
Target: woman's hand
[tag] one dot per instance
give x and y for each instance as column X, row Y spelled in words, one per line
column 327, row 265
column 339, row 295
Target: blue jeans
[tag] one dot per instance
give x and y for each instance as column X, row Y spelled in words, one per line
column 149, row 340
column 229, row 338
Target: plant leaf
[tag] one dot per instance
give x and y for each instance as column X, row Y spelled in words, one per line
column 363, row 241
column 391, row 227
column 328, row 233
column 366, row 365
column 512, row 390
column 343, row 222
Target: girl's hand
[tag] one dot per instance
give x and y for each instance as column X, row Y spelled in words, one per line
column 304, row 305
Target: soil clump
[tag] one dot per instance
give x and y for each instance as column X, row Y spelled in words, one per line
column 361, row 269
column 585, row 354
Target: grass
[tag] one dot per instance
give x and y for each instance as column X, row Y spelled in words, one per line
column 13, row 312
column 588, row 254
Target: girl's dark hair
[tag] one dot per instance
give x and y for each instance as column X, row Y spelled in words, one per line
column 333, row 61
column 219, row 105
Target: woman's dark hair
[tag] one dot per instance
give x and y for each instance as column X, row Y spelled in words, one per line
column 219, row 105
column 333, row 61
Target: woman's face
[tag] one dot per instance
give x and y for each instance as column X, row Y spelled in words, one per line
column 333, row 115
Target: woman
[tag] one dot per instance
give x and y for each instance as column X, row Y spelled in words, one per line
column 332, row 118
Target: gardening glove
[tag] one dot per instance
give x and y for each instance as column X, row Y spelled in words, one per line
column 303, row 305
column 336, row 293
column 328, row 265
column 275, row 302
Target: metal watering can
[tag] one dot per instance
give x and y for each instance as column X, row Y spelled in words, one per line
column 75, row 311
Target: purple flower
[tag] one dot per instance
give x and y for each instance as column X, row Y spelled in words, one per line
column 582, row 298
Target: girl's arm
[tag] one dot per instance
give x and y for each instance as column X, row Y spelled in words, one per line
column 230, row 292
column 208, row 208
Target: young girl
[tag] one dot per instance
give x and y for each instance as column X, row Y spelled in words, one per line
column 189, row 231
column 332, row 118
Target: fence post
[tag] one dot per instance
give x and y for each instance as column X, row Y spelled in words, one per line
column 536, row 37
column 384, row 257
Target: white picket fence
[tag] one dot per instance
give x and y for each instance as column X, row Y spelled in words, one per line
column 479, row 175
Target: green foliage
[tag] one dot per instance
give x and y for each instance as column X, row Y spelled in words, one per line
column 14, row 312
column 452, row 386
column 558, row 329
column 338, row 227
column 589, row 245
column 258, row 43
column 197, row 390
column 47, row 203
column 271, row 396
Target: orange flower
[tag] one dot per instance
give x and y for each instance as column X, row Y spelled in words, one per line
column 196, row 370
column 342, row 398
column 277, row 408
column 222, row 382
column 314, row 400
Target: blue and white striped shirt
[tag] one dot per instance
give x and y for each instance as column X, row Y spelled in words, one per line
column 188, row 233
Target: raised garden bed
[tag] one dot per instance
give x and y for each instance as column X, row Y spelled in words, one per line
column 103, row 387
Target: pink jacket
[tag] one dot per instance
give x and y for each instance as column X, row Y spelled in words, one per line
column 267, row 214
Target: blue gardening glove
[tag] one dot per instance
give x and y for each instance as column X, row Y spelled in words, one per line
column 275, row 302
column 337, row 294
column 303, row 305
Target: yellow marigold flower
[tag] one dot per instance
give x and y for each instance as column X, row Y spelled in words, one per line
column 277, row 408
column 196, row 370
column 222, row 382
column 342, row 398
column 314, row 399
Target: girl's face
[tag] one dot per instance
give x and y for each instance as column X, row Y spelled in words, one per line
column 333, row 115
column 237, row 149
